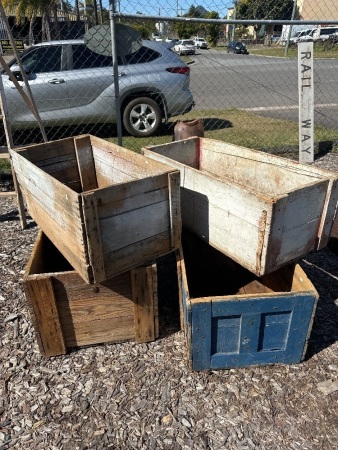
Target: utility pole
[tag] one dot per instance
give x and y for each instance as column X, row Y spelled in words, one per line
column 234, row 18
column 290, row 27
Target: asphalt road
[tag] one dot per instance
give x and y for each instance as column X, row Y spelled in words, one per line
column 264, row 85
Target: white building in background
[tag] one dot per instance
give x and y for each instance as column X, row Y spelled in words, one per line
column 161, row 27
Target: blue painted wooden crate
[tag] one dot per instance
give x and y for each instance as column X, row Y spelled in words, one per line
column 232, row 318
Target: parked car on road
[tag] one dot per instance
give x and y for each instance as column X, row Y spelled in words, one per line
column 237, row 47
column 200, row 43
column 185, row 47
column 73, row 85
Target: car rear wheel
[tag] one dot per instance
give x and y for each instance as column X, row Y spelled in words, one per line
column 142, row 117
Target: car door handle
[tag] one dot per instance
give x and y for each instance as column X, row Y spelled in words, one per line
column 121, row 74
column 56, row 81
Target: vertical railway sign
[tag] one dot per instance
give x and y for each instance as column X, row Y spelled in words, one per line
column 306, row 102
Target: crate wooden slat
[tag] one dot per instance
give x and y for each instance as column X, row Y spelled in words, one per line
column 333, row 242
column 106, row 208
column 232, row 318
column 67, row 312
column 261, row 210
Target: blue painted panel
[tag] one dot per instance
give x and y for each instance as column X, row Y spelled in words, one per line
column 201, row 335
column 249, row 332
column 225, row 333
column 255, row 331
column 274, row 331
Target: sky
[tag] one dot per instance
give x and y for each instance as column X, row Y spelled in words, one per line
column 165, row 8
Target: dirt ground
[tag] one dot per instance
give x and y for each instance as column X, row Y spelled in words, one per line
column 144, row 396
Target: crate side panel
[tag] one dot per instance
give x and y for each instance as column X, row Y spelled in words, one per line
column 134, row 226
column 70, row 242
column 137, row 254
column 285, row 164
column 266, row 330
column 94, row 314
column 38, row 153
column 45, row 315
column 185, row 152
column 221, row 229
column 57, row 158
column 116, row 164
column 230, row 163
column 124, row 197
column 144, row 304
column 329, row 214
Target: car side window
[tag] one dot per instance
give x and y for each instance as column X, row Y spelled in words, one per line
column 84, row 58
column 143, row 55
column 43, row 59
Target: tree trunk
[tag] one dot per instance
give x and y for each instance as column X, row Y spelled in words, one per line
column 77, row 10
column 31, row 30
column 56, row 22
column 96, row 19
column 101, row 11
column 46, row 33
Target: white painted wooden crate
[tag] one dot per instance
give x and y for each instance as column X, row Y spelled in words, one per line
column 261, row 210
column 106, row 209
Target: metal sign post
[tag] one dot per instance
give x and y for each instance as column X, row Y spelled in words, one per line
column 112, row 10
column 306, row 102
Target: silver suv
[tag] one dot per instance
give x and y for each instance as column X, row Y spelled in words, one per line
column 72, row 85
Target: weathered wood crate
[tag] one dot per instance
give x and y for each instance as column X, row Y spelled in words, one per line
column 67, row 312
column 261, row 210
column 106, row 208
column 232, row 318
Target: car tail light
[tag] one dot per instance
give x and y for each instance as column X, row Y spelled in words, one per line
column 183, row 70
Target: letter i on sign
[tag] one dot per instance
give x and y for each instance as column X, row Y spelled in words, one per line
column 306, row 102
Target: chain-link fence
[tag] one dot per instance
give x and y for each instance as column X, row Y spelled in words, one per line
column 232, row 64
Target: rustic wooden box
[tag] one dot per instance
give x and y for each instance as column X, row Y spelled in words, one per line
column 106, row 208
column 67, row 312
column 232, row 318
column 261, row 210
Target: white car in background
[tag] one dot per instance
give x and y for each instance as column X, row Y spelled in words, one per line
column 185, row 47
column 200, row 43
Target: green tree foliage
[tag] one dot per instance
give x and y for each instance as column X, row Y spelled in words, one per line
column 212, row 30
column 264, row 9
column 186, row 29
column 144, row 27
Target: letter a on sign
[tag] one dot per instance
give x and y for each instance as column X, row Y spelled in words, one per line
column 306, row 102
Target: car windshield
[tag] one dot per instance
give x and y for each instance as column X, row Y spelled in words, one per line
column 188, row 42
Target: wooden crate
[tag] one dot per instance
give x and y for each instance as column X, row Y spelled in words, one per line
column 67, row 312
column 106, row 208
column 261, row 210
column 233, row 319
